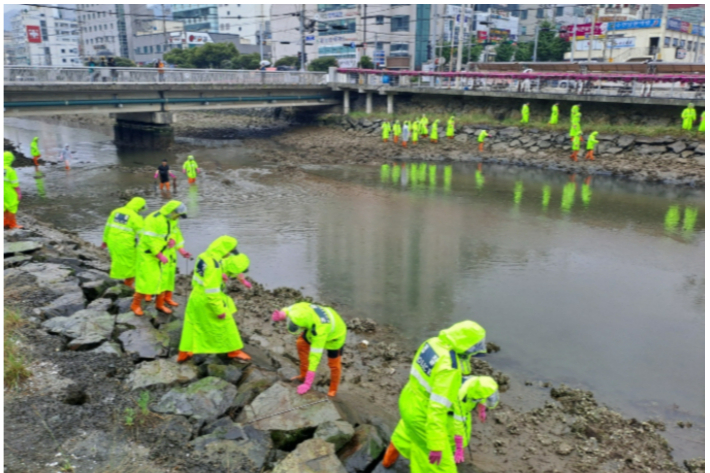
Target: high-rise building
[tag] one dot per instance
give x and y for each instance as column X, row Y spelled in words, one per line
column 245, row 20
column 197, row 17
column 108, row 29
column 43, row 36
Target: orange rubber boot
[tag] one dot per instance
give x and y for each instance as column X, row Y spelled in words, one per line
column 148, row 298
column 169, row 299
column 160, row 304
column 6, row 216
column 480, row 147
column 13, row 221
column 336, row 370
column 396, row 139
column 129, row 282
column 239, row 355
column 404, row 143
column 391, row 456
column 136, row 305
column 183, row 356
column 304, row 349
column 590, row 155
column 574, row 156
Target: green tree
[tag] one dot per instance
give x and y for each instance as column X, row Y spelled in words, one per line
column 524, row 52
column 366, row 63
column 471, row 53
column 322, row 64
column 211, row 55
column 248, row 61
column 550, row 47
column 504, row 52
column 291, row 61
column 180, row 57
column 124, row 62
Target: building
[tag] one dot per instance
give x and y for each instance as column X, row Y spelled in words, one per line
column 43, row 36
column 694, row 14
column 531, row 15
column 245, row 20
column 285, row 24
column 108, row 29
column 9, row 48
column 197, row 17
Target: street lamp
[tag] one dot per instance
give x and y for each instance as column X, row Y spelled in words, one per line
column 537, row 34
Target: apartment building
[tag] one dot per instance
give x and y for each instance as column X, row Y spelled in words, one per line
column 108, row 29
column 43, row 36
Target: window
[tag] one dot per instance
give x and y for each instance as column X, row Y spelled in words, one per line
column 334, row 6
column 399, row 23
column 145, row 49
column 690, row 45
column 64, row 60
column 379, row 20
column 540, row 13
column 399, row 49
column 667, row 41
column 524, row 15
column 327, row 28
column 682, row 43
column 523, row 30
column 559, row 11
column 138, row 50
column 675, row 42
column 63, row 51
column 379, row 46
column 228, row 13
column 157, row 49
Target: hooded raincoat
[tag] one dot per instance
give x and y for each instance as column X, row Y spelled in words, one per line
column 322, row 328
column 386, row 128
column 576, row 142
column 555, row 116
column 689, row 115
column 592, row 141
column 397, row 128
column 435, row 130
column 475, row 390
column 482, row 136
column 157, row 231
column 34, row 147
column 234, row 265
column 701, row 127
column 10, row 184
column 167, row 281
column 423, row 125
column 414, row 129
column 450, row 125
column 431, row 393
column 122, row 231
column 575, row 115
column 190, row 167
column 525, row 112
column 203, row 330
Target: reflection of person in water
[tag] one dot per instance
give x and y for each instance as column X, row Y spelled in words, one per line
column 39, row 181
column 396, row 173
column 690, row 215
column 193, row 201
column 448, row 172
column 568, row 192
column 672, row 218
column 518, row 193
column 480, row 179
column 432, row 176
column 586, row 191
column 385, row 173
column 546, row 194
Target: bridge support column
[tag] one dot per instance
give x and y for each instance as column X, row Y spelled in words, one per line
column 149, row 130
column 346, row 102
column 368, row 103
column 390, row 104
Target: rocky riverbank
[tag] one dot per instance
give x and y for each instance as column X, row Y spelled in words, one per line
column 106, row 395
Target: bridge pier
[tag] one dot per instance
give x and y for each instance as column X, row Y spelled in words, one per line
column 390, row 104
column 368, row 103
column 346, row 102
column 148, row 130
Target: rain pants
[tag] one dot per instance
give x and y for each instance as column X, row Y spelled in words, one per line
column 122, row 231
column 203, row 331
column 431, row 392
column 323, row 329
column 157, row 229
column 689, row 115
column 10, row 184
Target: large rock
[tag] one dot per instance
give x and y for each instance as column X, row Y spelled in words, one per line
column 205, row 399
column 18, row 247
column 108, row 348
column 511, row 132
column 161, row 373
column 118, row 291
column 145, row 343
column 311, row 456
column 365, row 448
column 85, row 329
column 700, row 149
column 56, row 278
column 92, row 275
column 650, row 149
column 677, row 147
column 337, row 432
column 65, row 306
column 461, row 138
column 95, row 288
column 655, row 140
column 236, row 447
column 625, row 141
column 614, row 150
column 544, row 144
column 229, row 373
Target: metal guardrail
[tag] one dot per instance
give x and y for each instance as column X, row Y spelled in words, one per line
column 563, row 84
column 42, row 75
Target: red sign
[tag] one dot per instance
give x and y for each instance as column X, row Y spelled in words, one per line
column 585, row 29
column 482, row 36
column 34, row 35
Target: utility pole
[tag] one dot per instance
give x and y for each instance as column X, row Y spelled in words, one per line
column 574, row 36
column 537, row 33
column 591, row 34
column 433, row 37
column 364, row 30
column 303, row 42
column 261, row 35
column 459, row 50
column 165, row 29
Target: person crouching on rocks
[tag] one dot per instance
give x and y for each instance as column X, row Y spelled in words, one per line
column 321, row 329
column 209, row 326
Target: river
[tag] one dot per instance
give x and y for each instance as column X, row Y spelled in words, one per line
column 597, row 283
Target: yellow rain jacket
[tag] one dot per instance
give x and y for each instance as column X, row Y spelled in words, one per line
column 10, row 184
column 121, row 233
column 190, row 167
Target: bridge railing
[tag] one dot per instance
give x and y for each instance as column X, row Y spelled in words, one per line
column 140, row 75
column 685, row 86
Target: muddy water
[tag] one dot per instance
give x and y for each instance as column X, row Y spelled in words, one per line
column 594, row 283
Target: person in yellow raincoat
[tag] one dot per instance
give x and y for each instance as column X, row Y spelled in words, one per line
column 689, row 116
column 386, row 128
column 591, row 144
column 414, row 130
column 555, row 116
column 34, row 151
column 481, row 139
column 156, row 239
column 439, row 365
column 11, row 192
column 396, row 130
column 176, row 244
column 191, row 168
column 424, row 126
column 525, row 112
column 476, row 393
column 320, row 328
column 435, row 131
column 576, row 146
column 121, row 233
column 209, row 326
column 450, row 127
column 701, row 127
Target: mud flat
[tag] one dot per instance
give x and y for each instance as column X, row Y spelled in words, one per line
column 106, row 394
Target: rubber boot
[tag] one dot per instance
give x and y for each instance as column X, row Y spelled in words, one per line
column 304, row 349
column 574, row 155
column 136, row 305
column 169, row 299
column 129, row 282
column 6, row 220
column 480, row 147
column 148, row 298
column 239, row 355
column 183, row 356
column 396, row 139
column 590, row 155
column 336, row 370
column 391, row 456
column 160, row 304
column 13, row 221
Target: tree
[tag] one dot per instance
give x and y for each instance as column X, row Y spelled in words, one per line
column 291, row 61
column 207, row 56
column 322, row 64
column 550, row 47
column 366, row 63
column 524, row 52
column 179, row 57
column 471, row 53
column 504, row 52
column 248, row 61
column 124, row 62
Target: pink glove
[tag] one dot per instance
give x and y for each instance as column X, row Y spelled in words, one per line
column 243, row 280
column 171, row 243
column 162, row 258
column 458, row 455
column 225, row 278
column 104, row 245
column 278, row 316
column 156, row 175
column 303, row 389
column 434, row 458
column 172, row 175
column 184, row 171
column 184, row 253
column 199, row 171
column 481, row 412
column 19, row 193
column 221, row 316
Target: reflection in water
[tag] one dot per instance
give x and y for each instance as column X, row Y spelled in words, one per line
column 518, row 193
column 546, row 194
column 39, row 181
column 385, row 173
column 568, row 192
column 396, row 174
column 480, row 179
column 586, row 192
column 672, row 218
column 448, row 172
column 193, row 201
column 432, row 177
column 689, row 218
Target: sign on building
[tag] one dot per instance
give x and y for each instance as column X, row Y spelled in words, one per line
column 34, row 35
